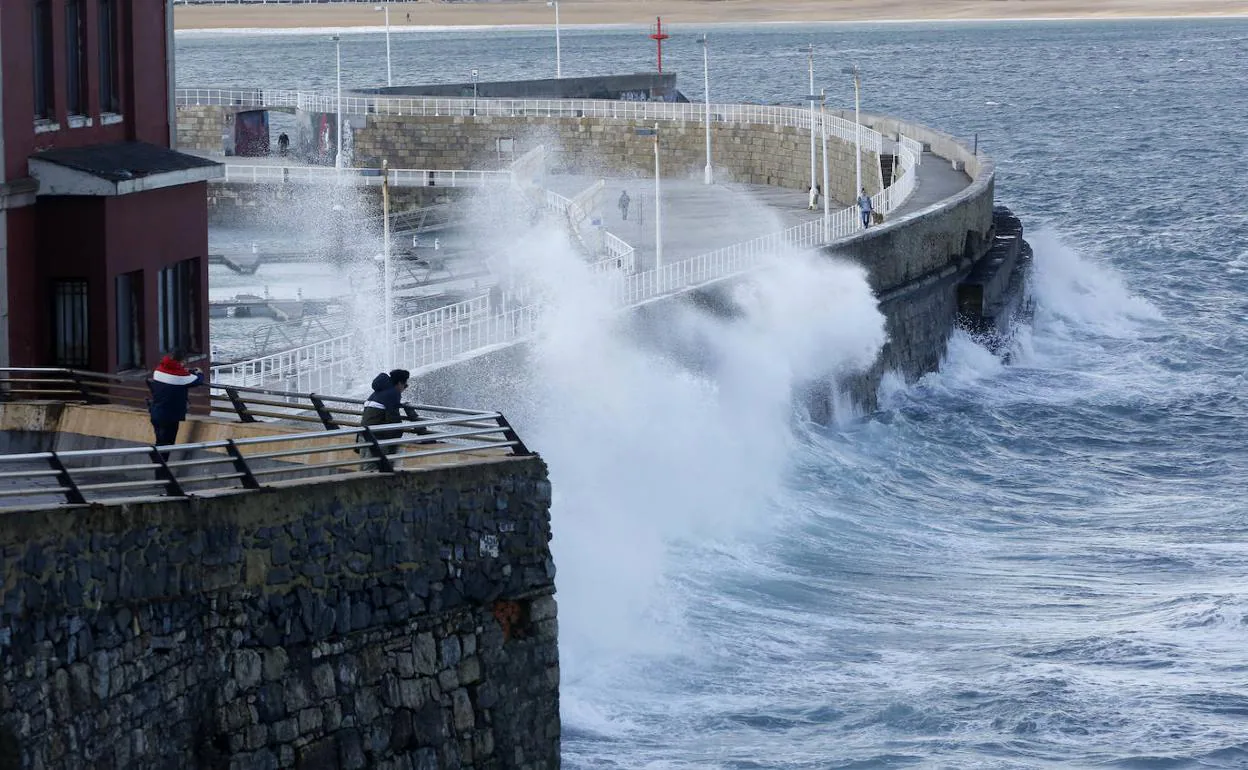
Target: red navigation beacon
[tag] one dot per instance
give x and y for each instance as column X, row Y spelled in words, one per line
column 658, row 36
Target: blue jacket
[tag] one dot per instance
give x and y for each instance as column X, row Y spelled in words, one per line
column 383, row 406
column 170, row 386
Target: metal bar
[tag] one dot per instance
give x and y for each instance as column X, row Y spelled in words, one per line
column 73, row 495
column 240, row 464
column 116, row 468
column 240, row 406
column 172, row 487
column 383, row 462
column 361, row 460
column 326, row 418
column 509, row 433
column 121, row 485
column 444, row 451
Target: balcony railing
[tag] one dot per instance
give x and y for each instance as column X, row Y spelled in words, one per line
column 334, row 442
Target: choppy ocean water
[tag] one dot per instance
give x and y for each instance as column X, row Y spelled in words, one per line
column 1039, row 565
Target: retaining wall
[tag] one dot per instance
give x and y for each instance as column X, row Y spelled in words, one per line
column 381, row 621
column 914, row 262
column 747, row 153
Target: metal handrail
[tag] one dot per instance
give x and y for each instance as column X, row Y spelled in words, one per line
column 399, row 177
column 293, row 363
column 793, row 117
column 100, row 475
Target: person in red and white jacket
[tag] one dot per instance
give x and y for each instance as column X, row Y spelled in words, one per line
column 170, row 385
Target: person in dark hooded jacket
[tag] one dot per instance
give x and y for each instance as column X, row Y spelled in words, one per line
column 383, row 407
column 170, row 386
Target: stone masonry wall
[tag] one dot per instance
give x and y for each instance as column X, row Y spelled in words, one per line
column 401, row 622
column 755, row 154
column 199, row 128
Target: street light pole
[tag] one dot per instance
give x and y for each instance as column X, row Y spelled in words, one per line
column 707, row 175
column 823, row 130
column 338, row 130
column 658, row 206
column 558, row 51
column 386, row 8
column 388, row 357
column 857, row 131
column 811, row 62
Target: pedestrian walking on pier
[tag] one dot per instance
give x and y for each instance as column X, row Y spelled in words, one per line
column 815, row 192
column 384, row 406
column 283, row 144
column 624, row 199
column 865, row 207
column 170, row 386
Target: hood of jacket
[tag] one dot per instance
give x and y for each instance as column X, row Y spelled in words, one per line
column 381, row 382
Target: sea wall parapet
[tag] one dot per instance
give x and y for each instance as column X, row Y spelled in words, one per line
column 385, row 621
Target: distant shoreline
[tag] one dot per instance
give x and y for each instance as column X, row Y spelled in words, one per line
column 611, row 14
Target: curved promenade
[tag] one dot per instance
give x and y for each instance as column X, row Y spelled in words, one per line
column 426, row 346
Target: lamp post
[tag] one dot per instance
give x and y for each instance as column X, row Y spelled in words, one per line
column 658, row 208
column 338, row 129
column 707, row 175
column 558, row 53
column 823, row 131
column 822, row 98
column 810, row 61
column 388, row 356
column 386, row 8
column 857, row 130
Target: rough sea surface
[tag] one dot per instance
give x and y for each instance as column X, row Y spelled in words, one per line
column 1039, row 565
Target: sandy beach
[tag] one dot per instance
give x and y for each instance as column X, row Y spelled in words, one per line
column 597, row 12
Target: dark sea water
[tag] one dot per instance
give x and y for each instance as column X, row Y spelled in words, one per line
column 1040, row 565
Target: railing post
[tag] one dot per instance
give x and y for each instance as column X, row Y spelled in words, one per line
column 240, row 406
column 165, row 474
column 240, row 465
column 510, row 434
column 73, row 495
column 383, row 462
column 78, row 383
column 322, row 412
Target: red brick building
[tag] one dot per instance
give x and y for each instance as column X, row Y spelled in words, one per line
column 103, row 227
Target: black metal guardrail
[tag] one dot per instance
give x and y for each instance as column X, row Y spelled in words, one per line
column 334, row 442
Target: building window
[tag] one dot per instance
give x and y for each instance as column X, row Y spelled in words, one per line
column 130, row 320
column 110, row 100
column 75, row 58
column 44, row 101
column 69, row 324
column 178, row 307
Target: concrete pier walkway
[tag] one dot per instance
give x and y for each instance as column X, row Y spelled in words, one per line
column 698, row 218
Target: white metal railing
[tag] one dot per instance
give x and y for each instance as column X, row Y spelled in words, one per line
column 757, row 114
column 914, row 147
column 327, row 364
column 399, row 177
column 529, row 168
column 620, row 253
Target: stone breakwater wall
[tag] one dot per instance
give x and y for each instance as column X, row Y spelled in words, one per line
column 403, row 622
column 914, row 263
column 740, row 152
